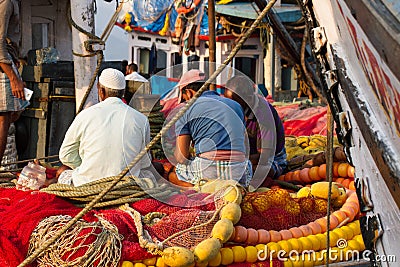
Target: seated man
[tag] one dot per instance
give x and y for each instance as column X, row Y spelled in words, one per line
column 104, row 138
column 258, row 122
column 133, row 75
column 216, row 127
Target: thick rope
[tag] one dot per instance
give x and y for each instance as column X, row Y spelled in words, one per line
column 92, row 81
column 304, row 67
column 106, row 33
column 126, row 191
column 329, row 174
column 145, row 240
column 144, row 151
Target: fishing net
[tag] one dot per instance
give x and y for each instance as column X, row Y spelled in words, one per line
column 182, row 220
column 43, row 214
column 277, row 210
column 190, row 225
column 83, row 244
column 20, row 213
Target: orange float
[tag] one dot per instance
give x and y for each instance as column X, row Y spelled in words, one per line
column 350, row 212
column 322, row 171
column 275, row 236
column 252, row 236
column 323, row 223
column 303, row 175
column 350, row 171
column 335, row 169
column 296, row 176
column 342, row 169
column 296, row 232
column 306, row 230
column 340, row 215
column 288, row 176
column 285, row 234
column 313, row 173
column 339, row 180
column 333, row 222
column 352, row 186
column 263, row 236
column 346, row 183
column 240, row 234
column 315, row 228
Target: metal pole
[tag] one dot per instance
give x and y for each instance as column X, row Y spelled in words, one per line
column 82, row 14
column 211, row 40
column 272, row 53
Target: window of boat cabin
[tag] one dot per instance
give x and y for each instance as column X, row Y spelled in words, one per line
column 146, row 61
column 42, row 33
column 247, row 65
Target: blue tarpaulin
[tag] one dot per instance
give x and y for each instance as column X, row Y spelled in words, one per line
column 151, row 15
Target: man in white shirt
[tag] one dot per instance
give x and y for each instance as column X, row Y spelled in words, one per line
column 105, row 138
column 133, row 75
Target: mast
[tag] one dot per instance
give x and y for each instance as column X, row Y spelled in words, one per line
column 82, row 15
column 211, row 40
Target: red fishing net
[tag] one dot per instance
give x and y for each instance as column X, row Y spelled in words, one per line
column 21, row 212
column 277, row 210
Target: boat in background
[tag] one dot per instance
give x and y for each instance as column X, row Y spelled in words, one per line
column 357, row 45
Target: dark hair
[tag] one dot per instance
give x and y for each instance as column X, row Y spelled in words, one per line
column 132, row 67
column 194, row 86
column 241, row 85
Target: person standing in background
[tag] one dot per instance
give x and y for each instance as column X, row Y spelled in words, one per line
column 133, row 75
column 124, row 66
column 12, row 99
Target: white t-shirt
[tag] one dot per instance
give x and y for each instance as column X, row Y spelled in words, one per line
column 134, row 76
column 103, row 140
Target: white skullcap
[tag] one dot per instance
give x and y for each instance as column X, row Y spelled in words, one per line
column 113, row 79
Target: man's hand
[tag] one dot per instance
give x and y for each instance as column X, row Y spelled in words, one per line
column 17, row 88
column 17, row 85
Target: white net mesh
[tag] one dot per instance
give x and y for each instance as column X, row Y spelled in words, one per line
column 83, row 244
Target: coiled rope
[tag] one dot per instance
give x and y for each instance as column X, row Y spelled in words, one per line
column 127, row 190
column 144, row 151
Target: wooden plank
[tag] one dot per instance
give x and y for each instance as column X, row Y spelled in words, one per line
column 42, row 124
column 34, row 113
column 62, row 70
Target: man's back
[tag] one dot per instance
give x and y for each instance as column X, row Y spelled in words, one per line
column 134, row 76
column 103, row 140
column 214, row 123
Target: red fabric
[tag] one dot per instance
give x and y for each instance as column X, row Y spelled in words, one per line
column 132, row 251
column 51, row 173
column 20, row 212
column 169, row 105
column 306, row 121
